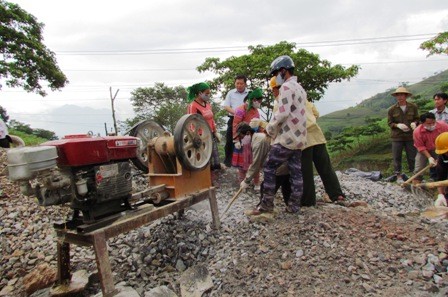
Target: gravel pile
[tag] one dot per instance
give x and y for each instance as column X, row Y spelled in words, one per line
column 385, row 249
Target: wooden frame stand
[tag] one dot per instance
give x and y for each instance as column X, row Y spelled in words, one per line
column 129, row 221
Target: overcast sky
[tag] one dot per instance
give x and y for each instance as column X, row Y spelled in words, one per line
column 130, row 44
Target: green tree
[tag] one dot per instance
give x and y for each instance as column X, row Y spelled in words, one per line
column 340, row 143
column 423, row 103
column 328, row 135
column 169, row 114
column 436, row 45
column 313, row 73
column 25, row 61
column 353, row 132
column 444, row 87
column 165, row 105
column 373, row 127
column 19, row 126
column 42, row 133
column 149, row 102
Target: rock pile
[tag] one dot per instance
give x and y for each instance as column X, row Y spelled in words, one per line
column 382, row 249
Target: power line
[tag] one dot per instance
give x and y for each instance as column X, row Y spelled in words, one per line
column 168, row 69
column 357, row 41
column 363, row 81
column 107, row 70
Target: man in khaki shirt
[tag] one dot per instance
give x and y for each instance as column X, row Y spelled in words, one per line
column 402, row 118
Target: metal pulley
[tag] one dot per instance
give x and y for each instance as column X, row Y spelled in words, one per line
column 193, row 142
column 145, row 131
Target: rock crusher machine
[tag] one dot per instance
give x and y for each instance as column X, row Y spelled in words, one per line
column 94, row 175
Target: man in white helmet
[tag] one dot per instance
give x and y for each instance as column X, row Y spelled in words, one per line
column 287, row 127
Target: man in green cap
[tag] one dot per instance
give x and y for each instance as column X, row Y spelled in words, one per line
column 402, row 118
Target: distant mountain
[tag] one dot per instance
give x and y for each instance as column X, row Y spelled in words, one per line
column 73, row 119
column 377, row 105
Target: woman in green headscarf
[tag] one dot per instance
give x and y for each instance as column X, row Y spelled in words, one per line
column 249, row 109
column 244, row 114
column 199, row 99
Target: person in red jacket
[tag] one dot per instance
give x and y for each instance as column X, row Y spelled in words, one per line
column 424, row 141
column 244, row 114
column 199, row 99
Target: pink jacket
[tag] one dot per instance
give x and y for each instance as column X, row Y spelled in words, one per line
column 425, row 140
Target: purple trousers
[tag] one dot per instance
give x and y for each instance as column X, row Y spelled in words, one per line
column 277, row 156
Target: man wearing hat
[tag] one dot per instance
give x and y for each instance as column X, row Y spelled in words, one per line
column 402, row 118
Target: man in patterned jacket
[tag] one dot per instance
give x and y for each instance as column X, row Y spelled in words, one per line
column 287, row 128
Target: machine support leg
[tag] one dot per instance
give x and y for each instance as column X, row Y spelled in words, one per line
column 214, row 208
column 63, row 249
column 103, row 264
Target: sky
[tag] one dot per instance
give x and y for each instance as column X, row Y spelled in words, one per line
column 123, row 45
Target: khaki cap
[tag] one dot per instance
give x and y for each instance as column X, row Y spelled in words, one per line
column 401, row 90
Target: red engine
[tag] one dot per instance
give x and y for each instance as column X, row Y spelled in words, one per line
column 82, row 150
column 92, row 173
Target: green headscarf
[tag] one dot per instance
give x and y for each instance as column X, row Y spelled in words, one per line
column 255, row 94
column 194, row 90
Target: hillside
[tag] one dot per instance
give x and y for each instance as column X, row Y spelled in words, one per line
column 376, row 106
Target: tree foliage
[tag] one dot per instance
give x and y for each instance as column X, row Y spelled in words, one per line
column 25, row 128
column 165, row 105
column 344, row 140
column 24, row 60
column 436, row 45
column 314, row 73
column 147, row 101
column 340, row 143
column 42, row 133
column 169, row 114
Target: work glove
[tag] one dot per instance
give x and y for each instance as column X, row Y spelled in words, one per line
column 244, row 185
column 254, row 123
column 440, row 201
column 271, row 130
column 403, row 127
column 218, row 137
column 413, row 125
column 432, row 162
column 237, row 145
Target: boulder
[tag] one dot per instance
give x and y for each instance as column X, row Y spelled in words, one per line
column 195, row 281
column 41, row 277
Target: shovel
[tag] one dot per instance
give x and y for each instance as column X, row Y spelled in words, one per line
column 409, row 180
column 231, row 201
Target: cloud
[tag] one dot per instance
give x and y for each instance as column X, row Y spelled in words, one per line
column 80, row 26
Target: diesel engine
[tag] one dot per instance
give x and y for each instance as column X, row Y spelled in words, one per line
column 93, row 174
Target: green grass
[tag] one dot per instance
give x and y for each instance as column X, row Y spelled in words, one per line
column 30, row 140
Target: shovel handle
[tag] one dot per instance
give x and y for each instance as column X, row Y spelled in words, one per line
column 231, row 201
column 415, row 175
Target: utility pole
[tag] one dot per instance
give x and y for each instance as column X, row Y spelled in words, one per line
column 112, row 99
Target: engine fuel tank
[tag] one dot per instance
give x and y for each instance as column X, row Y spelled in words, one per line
column 82, row 150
